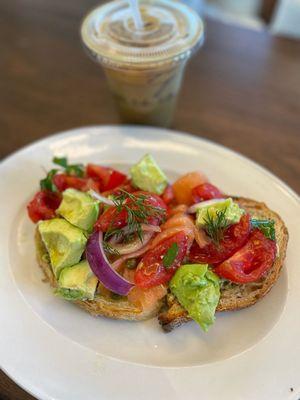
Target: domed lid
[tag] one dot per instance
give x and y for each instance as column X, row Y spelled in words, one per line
column 171, row 32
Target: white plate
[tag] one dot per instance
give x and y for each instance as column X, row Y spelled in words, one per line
column 56, row 351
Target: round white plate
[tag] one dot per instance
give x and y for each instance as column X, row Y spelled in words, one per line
column 56, row 351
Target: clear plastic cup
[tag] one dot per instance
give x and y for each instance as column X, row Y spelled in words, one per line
column 144, row 68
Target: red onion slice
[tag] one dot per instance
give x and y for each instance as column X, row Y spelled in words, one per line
column 116, row 264
column 132, row 246
column 206, row 203
column 101, row 198
column 101, row 267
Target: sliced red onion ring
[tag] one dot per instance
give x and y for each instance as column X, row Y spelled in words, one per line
column 132, row 246
column 206, row 203
column 150, row 228
column 98, row 196
column 116, row 264
column 101, row 267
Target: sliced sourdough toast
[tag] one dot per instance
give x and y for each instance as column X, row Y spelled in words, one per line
column 233, row 296
column 102, row 305
column 236, row 296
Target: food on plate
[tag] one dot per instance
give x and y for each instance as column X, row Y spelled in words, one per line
column 137, row 246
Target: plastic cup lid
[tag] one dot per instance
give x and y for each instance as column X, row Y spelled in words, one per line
column 172, row 31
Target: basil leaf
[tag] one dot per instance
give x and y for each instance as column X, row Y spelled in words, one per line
column 47, row 183
column 75, row 169
column 62, row 161
column 170, row 255
column 266, row 226
column 72, row 169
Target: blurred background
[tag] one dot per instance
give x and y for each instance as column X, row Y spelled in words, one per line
column 280, row 17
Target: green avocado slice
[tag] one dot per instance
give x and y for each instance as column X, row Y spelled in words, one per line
column 198, row 291
column 77, row 282
column 147, row 175
column 64, row 242
column 79, row 208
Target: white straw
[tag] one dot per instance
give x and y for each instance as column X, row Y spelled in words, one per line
column 137, row 18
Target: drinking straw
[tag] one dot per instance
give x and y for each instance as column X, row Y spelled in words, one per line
column 137, row 18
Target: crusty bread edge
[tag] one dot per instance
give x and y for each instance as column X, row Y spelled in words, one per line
column 177, row 316
column 100, row 306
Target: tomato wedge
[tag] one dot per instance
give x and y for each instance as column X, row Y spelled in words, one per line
column 112, row 218
column 43, row 205
column 206, row 191
column 168, row 195
column 234, row 238
column 64, row 181
column 251, row 262
column 151, row 271
column 107, row 178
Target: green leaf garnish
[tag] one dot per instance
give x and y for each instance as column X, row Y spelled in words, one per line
column 138, row 213
column 70, row 169
column 46, row 183
column 170, row 255
column 109, row 249
column 266, row 226
column 61, row 161
column 215, row 227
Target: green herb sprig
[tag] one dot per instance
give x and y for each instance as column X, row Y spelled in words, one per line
column 170, row 255
column 215, row 227
column 69, row 169
column 138, row 212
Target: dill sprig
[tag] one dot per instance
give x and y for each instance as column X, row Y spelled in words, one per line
column 138, row 212
column 109, row 249
column 215, row 226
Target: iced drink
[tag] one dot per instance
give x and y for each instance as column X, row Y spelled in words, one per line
column 144, row 67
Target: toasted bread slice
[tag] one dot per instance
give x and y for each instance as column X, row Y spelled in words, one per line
column 236, row 296
column 101, row 305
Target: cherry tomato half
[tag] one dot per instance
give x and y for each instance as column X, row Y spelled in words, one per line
column 43, row 205
column 234, row 238
column 151, row 271
column 251, row 262
column 112, row 218
column 206, row 191
column 168, row 195
column 64, row 181
column 107, row 178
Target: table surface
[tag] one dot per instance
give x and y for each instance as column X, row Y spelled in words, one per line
column 242, row 90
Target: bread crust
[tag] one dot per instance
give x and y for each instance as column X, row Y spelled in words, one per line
column 237, row 296
column 101, row 305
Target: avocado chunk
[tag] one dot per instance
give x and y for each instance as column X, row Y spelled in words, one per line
column 64, row 242
column 198, row 291
column 79, row 208
column 77, row 282
column 232, row 211
column 146, row 175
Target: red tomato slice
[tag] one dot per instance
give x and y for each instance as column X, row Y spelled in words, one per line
column 126, row 186
column 251, row 262
column 234, row 238
column 64, row 181
column 206, row 191
column 107, row 178
column 168, row 195
column 112, row 218
column 151, row 271
column 43, row 205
